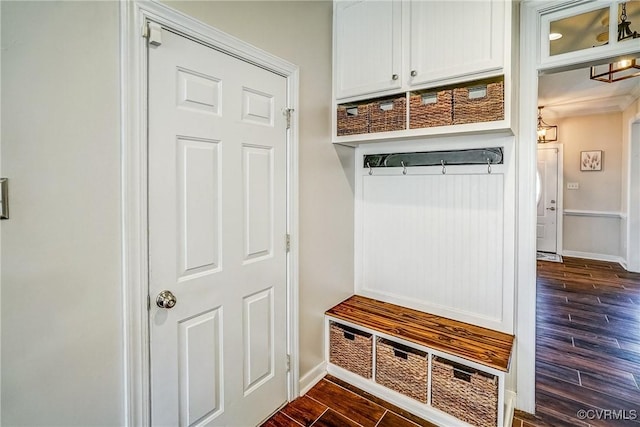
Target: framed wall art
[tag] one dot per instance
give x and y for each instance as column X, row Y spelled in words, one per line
column 591, row 160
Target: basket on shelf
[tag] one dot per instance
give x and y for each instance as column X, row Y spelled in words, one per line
column 351, row 349
column 388, row 114
column 480, row 102
column 402, row 369
column 464, row 392
column 352, row 119
column 430, row 109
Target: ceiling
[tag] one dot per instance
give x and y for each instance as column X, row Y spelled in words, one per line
column 572, row 93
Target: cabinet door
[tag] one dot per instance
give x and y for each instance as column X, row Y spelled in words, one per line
column 367, row 47
column 452, row 39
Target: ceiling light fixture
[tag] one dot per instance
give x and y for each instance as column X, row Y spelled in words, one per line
column 546, row 133
column 624, row 69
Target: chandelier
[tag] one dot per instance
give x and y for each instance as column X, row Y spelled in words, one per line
column 546, row 133
column 624, row 69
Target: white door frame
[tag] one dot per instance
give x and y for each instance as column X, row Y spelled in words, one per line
column 531, row 12
column 559, row 190
column 135, row 286
column 632, row 257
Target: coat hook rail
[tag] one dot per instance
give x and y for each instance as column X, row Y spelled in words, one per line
column 478, row 156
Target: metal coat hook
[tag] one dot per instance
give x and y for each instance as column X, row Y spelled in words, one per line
column 444, row 169
column 404, row 168
column 370, row 169
column 489, row 166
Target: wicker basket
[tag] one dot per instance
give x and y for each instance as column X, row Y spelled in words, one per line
column 388, row 114
column 351, row 349
column 465, row 393
column 479, row 102
column 353, row 119
column 431, row 109
column 402, row 369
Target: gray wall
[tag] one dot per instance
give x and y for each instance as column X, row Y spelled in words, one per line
column 61, row 305
column 599, row 191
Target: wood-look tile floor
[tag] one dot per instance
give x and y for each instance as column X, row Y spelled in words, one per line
column 335, row 403
column 587, row 359
column 587, row 344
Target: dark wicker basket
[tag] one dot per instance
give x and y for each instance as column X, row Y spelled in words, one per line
column 388, row 114
column 351, row 349
column 353, row 119
column 431, row 109
column 465, row 393
column 402, row 369
column 470, row 109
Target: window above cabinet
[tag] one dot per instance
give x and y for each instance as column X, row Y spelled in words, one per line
column 589, row 31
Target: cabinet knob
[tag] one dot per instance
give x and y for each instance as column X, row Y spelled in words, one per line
column 414, row 73
column 395, row 77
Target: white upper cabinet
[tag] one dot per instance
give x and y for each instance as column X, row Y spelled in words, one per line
column 386, row 45
column 454, row 39
column 367, row 47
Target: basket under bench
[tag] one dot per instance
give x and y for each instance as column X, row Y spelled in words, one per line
column 446, row 371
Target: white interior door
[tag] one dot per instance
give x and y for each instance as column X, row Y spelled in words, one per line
column 547, row 229
column 217, row 224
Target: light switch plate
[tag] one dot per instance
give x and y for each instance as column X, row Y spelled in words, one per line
column 573, row 185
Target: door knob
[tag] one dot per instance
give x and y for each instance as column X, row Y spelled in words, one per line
column 552, row 208
column 395, row 77
column 166, row 299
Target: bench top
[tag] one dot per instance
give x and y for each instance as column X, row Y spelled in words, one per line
column 481, row 345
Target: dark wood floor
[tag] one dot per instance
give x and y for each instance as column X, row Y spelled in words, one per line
column 588, row 343
column 587, row 359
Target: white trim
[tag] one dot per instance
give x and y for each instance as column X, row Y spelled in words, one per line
column 594, row 214
column 312, row 378
column 632, row 232
column 133, row 15
column 559, row 190
column 594, row 256
column 526, row 211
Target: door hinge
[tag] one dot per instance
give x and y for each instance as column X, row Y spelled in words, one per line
column 153, row 32
column 287, row 113
column 148, row 302
column 288, row 242
column 288, row 362
column 4, row 198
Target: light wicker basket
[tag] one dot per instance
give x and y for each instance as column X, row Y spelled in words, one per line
column 470, row 106
column 464, row 392
column 430, row 109
column 351, row 349
column 388, row 114
column 353, row 119
column 402, row 369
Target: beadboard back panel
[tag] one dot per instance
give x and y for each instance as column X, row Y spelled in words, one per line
column 441, row 243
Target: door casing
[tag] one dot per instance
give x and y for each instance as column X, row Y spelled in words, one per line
column 134, row 15
column 559, row 190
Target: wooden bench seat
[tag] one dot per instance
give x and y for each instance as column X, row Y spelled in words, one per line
column 481, row 345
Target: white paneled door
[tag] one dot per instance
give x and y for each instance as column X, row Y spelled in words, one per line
column 547, row 225
column 217, row 224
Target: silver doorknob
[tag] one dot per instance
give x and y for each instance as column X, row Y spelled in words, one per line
column 414, row 73
column 395, row 77
column 552, row 208
column 166, row 299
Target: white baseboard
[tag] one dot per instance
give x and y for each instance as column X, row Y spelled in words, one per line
column 597, row 257
column 311, row 378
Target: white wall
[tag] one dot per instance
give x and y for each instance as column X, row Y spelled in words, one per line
column 61, row 304
column 301, row 32
column 600, row 191
column 630, row 150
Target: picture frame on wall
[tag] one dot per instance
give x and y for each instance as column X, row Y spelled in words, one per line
column 591, row 161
